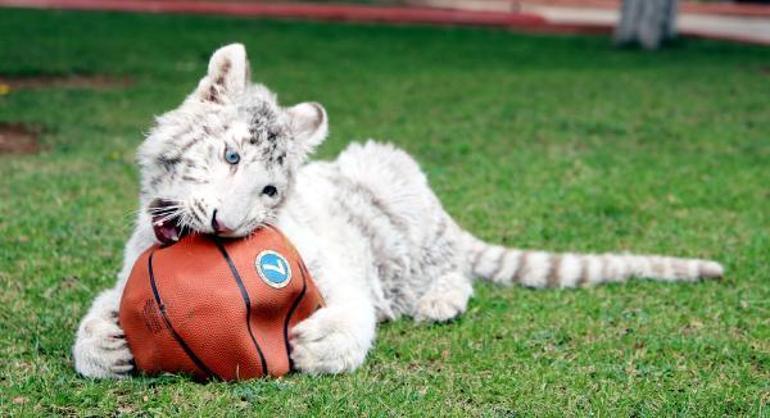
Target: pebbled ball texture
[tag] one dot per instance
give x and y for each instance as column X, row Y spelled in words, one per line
column 217, row 308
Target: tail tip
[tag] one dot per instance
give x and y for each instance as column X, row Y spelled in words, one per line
column 711, row 270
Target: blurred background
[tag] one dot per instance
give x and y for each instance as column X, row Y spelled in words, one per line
column 740, row 20
column 566, row 125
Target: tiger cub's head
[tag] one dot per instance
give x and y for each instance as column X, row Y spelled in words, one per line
column 223, row 161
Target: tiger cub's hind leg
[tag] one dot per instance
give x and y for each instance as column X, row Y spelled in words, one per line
column 446, row 298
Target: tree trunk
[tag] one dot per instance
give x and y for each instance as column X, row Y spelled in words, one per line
column 647, row 22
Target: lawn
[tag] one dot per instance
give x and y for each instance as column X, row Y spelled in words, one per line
column 561, row 143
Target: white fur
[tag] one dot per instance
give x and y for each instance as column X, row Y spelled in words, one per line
column 374, row 236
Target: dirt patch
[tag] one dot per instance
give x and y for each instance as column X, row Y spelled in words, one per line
column 95, row 81
column 17, row 138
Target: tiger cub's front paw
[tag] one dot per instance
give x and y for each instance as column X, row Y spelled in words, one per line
column 101, row 349
column 330, row 341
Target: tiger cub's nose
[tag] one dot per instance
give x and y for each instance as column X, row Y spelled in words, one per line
column 218, row 226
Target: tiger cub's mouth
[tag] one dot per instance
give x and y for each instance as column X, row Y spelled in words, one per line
column 167, row 221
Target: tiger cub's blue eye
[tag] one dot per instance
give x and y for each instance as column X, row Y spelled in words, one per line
column 232, row 156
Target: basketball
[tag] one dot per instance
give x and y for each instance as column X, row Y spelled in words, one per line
column 217, row 308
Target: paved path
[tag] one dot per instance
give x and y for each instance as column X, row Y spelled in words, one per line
column 754, row 29
column 746, row 23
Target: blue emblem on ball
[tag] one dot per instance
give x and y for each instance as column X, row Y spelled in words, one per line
column 273, row 268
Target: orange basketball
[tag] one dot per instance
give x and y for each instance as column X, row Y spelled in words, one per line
column 217, row 308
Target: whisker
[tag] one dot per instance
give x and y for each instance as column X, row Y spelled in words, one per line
column 130, row 215
column 167, row 217
column 162, row 209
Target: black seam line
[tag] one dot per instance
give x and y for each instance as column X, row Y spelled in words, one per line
column 294, row 307
column 305, row 274
column 297, row 300
column 246, row 301
column 167, row 321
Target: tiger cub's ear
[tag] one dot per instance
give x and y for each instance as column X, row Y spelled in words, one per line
column 309, row 126
column 228, row 76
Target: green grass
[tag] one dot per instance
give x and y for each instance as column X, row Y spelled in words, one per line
column 546, row 142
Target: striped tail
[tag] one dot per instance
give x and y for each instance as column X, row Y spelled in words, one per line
column 542, row 269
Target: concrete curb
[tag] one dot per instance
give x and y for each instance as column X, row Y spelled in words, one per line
column 721, row 9
column 330, row 12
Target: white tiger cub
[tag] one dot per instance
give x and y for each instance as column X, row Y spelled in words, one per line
column 374, row 235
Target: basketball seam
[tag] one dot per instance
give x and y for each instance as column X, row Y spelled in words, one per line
column 294, row 307
column 246, row 301
column 305, row 274
column 167, row 321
